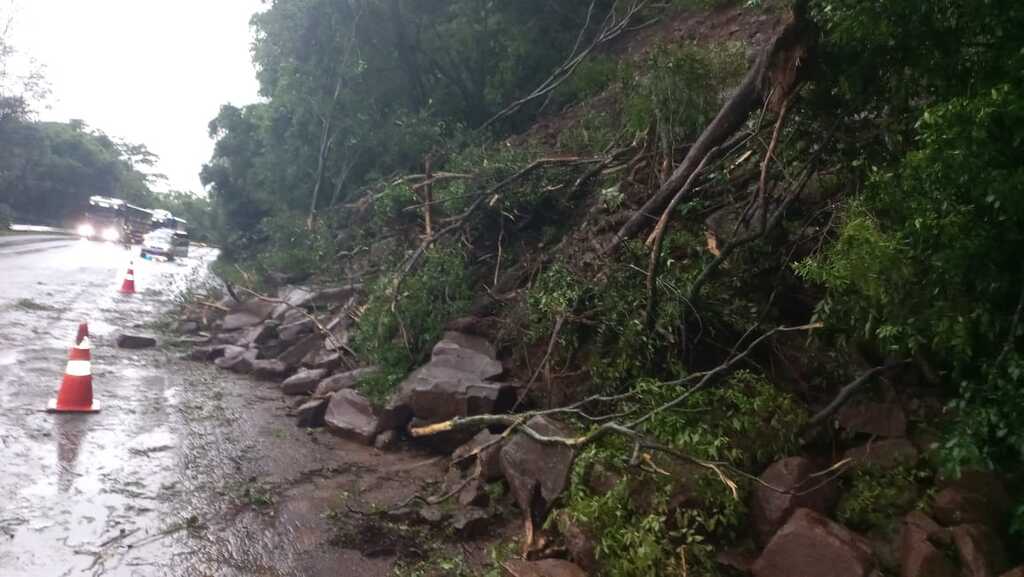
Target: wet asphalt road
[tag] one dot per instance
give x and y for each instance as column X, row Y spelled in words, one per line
column 187, row 471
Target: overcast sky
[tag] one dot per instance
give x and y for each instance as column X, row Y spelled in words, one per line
column 147, row 71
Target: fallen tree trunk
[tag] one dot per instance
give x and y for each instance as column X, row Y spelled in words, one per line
column 774, row 77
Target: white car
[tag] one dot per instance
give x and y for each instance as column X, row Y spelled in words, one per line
column 160, row 242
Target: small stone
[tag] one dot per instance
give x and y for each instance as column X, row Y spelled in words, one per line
column 239, row 363
column 386, row 440
column 294, row 355
column 126, row 341
column 303, row 382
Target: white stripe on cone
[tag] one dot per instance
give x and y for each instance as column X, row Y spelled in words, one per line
column 85, row 344
column 79, row 369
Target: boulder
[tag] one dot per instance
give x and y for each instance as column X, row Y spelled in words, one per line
column 322, row 359
column 239, row 363
column 259, row 334
column 342, row 381
column 290, row 333
column 350, row 415
column 924, row 525
column 919, row 557
column 127, row 341
column 294, row 355
column 980, row 550
column 880, row 419
column 295, row 296
column 536, row 473
column 467, row 354
column 303, row 382
column 770, row 509
column 487, row 447
column 310, row 414
column 333, row 296
column 809, row 545
column 976, row 497
column 247, row 314
column 542, row 568
column 189, row 327
column 269, row 369
column 885, row 454
column 435, row 393
column 1016, row 572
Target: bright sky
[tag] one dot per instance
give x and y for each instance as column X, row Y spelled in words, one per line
column 146, row 71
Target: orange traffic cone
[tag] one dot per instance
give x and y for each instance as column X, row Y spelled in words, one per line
column 128, row 285
column 75, row 395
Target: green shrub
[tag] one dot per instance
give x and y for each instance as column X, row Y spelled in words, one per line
column 679, row 89
column 398, row 334
column 877, row 499
column 927, row 263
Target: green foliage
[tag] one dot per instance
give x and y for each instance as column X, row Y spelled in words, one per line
column 678, row 88
column 49, row 170
column 876, row 498
column 395, row 334
column 926, row 262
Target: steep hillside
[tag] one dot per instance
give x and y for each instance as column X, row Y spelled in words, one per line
column 699, row 317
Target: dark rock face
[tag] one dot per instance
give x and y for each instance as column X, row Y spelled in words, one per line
column 536, row 473
column 543, row 568
column 303, row 382
column 487, row 447
column 769, row 510
column 207, row 353
column 342, row 381
column 127, row 341
column 884, row 454
column 980, row 550
column 881, row 419
column 259, row 334
column 310, row 414
column 467, row 354
column 809, row 545
column 919, row 556
column 580, row 543
column 350, row 415
column 976, row 497
column 269, row 369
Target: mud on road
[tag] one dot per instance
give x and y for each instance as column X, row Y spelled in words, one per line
column 186, row 470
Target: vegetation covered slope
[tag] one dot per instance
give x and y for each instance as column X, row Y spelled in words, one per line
column 713, row 233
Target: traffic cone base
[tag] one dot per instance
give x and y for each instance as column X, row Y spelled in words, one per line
column 51, row 407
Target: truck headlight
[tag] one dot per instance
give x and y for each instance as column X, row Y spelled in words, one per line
column 111, row 234
column 86, row 230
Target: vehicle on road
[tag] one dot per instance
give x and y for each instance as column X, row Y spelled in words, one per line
column 166, row 243
column 114, row 220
